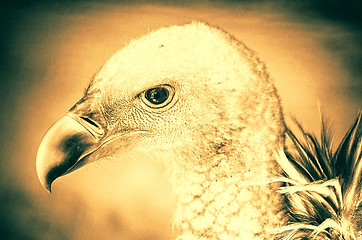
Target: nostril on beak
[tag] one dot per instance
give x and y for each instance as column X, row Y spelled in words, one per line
column 90, row 121
column 95, row 129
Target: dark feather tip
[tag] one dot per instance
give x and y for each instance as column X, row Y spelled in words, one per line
column 326, row 205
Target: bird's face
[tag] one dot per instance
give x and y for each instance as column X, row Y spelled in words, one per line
column 157, row 93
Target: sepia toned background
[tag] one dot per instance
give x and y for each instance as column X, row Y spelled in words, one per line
column 50, row 51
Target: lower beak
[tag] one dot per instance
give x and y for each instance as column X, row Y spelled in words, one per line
column 66, row 147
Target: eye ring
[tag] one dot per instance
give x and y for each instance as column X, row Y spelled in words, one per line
column 158, row 97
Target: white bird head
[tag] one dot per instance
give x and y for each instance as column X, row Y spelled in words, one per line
column 177, row 86
column 193, row 91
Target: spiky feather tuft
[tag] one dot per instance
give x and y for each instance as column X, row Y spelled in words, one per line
column 322, row 189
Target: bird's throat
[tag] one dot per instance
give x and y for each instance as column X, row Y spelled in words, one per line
column 225, row 201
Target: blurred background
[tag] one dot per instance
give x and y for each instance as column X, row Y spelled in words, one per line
column 51, row 49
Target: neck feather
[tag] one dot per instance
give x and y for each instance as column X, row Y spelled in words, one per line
column 229, row 196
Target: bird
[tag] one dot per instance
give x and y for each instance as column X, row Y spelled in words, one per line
column 202, row 102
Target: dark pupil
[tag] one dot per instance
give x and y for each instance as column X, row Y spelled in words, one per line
column 157, row 95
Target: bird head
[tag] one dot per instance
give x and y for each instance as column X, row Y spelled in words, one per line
column 181, row 88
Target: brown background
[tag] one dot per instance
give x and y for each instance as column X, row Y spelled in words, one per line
column 50, row 50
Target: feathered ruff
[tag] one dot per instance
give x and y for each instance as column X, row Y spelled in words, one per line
column 322, row 189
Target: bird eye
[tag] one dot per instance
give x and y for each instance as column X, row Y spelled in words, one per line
column 158, row 97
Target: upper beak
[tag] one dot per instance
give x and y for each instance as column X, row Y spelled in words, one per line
column 66, row 147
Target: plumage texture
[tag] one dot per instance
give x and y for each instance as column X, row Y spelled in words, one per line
column 323, row 189
column 218, row 138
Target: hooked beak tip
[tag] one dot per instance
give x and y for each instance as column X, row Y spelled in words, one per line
column 48, row 188
column 63, row 149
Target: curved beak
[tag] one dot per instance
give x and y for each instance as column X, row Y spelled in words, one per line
column 66, row 147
